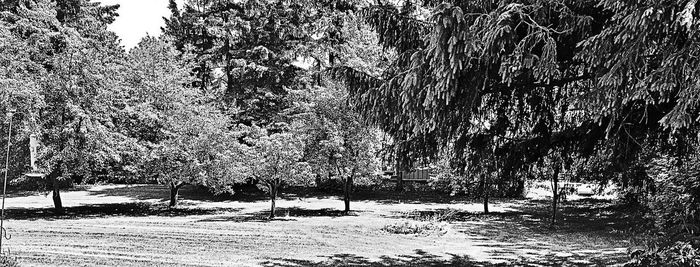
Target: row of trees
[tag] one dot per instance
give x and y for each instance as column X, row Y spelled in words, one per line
column 206, row 104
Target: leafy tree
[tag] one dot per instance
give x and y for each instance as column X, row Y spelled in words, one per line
column 78, row 60
column 275, row 161
column 184, row 133
column 20, row 88
column 339, row 143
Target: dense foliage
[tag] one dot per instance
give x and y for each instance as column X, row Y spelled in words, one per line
column 340, row 145
column 275, row 161
column 69, row 61
column 517, row 89
column 495, row 92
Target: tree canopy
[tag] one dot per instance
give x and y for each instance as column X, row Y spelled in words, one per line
column 523, row 79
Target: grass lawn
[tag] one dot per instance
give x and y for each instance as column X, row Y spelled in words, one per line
column 131, row 226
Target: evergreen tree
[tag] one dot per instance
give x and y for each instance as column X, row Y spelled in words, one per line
column 521, row 82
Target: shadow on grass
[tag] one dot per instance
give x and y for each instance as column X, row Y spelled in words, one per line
column 159, row 192
column 391, row 197
column 21, row 193
column 584, row 215
column 422, row 258
column 281, row 214
column 197, row 193
column 131, row 209
column 301, row 212
column 381, row 197
column 592, row 230
column 187, row 192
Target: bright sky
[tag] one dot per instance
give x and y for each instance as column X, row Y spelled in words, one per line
column 138, row 18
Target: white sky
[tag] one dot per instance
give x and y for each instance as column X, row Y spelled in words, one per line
column 138, row 18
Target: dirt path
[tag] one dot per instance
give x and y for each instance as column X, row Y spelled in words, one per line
column 129, row 226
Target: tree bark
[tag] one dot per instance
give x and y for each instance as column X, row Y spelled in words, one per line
column 174, row 193
column 347, row 188
column 555, row 192
column 399, row 173
column 273, row 196
column 58, row 204
column 230, row 90
column 486, row 203
column 486, row 196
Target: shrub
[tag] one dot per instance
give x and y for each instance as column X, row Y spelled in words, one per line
column 441, row 215
column 679, row 254
column 422, row 223
column 407, row 227
column 6, row 260
column 674, row 205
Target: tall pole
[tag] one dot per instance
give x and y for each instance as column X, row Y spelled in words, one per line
column 4, row 183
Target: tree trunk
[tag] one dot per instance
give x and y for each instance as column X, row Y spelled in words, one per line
column 347, row 188
column 555, row 192
column 485, row 192
column 273, row 196
column 521, row 188
column 399, row 174
column 174, row 193
column 231, row 91
column 58, row 204
column 486, row 203
column 399, row 182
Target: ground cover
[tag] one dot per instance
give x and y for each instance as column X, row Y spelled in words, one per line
column 132, row 226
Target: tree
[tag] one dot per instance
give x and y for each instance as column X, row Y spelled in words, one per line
column 484, row 80
column 78, row 62
column 527, row 79
column 184, row 134
column 275, row 161
column 339, row 143
column 245, row 51
column 20, row 89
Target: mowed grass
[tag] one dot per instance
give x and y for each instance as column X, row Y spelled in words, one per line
column 131, row 226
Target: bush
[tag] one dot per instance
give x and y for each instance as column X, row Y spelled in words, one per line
column 675, row 206
column 679, row 254
column 441, row 215
column 407, row 227
column 6, row 260
column 422, row 223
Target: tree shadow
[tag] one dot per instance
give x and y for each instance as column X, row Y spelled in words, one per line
column 584, row 215
column 422, row 258
column 586, row 228
column 23, row 193
column 387, row 197
column 129, row 209
column 281, row 214
column 237, row 219
column 301, row 212
column 198, row 193
column 159, row 192
column 409, row 197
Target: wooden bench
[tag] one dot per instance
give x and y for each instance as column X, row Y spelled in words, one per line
column 417, row 176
